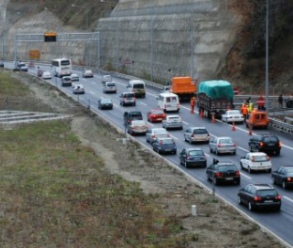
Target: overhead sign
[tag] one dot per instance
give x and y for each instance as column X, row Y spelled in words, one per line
column 50, row 36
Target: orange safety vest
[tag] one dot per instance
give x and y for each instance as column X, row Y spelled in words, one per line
column 192, row 102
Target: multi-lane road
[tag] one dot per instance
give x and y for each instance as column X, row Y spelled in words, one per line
column 278, row 223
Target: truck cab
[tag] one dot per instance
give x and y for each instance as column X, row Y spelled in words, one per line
column 257, row 118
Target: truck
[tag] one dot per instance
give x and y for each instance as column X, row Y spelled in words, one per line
column 183, row 87
column 214, row 97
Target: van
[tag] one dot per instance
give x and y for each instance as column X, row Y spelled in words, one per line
column 257, row 118
column 168, row 102
column 137, row 87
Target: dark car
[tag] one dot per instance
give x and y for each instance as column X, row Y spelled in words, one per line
column 105, row 103
column 193, row 157
column 259, row 196
column 66, row 81
column 283, row 176
column 164, row 146
column 223, row 172
column 131, row 115
column 268, row 143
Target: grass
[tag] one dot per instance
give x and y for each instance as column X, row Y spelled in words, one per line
column 56, row 193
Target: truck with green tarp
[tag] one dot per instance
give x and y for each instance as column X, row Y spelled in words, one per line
column 214, row 97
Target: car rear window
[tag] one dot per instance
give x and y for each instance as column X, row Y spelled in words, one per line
column 227, row 167
column 226, row 141
column 171, row 99
column 129, row 96
column 167, row 141
column 200, row 131
column 138, row 86
column 111, row 84
column 157, row 112
column 136, row 114
column 195, row 153
column 106, row 101
column 266, row 192
column 271, row 139
column 259, row 158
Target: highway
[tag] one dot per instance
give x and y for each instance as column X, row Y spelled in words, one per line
column 278, row 223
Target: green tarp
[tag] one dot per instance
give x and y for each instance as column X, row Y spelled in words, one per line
column 216, row 89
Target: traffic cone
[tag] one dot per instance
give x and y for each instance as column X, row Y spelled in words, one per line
column 201, row 114
column 233, row 127
column 213, row 118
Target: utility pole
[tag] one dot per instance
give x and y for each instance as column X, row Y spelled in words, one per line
column 267, row 56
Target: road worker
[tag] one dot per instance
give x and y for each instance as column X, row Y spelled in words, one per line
column 192, row 105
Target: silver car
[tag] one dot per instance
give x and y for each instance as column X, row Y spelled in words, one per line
column 196, row 134
column 222, row 145
column 137, row 127
column 172, row 121
column 153, row 133
column 109, row 87
column 231, row 116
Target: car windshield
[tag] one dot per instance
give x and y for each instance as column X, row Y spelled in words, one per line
column 259, row 158
column 157, row 112
column 270, row 139
column 167, row 141
column 227, row 167
column 266, row 192
column 195, row 153
column 200, row 131
column 226, row 141
column 106, row 101
column 138, row 86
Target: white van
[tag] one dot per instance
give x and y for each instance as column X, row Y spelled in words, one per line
column 168, row 102
column 137, row 87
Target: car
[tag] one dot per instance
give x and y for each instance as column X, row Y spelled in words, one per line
column 223, row 172
column 87, row 73
column 193, row 157
column 283, row 176
column 256, row 161
column 24, row 68
column 105, row 103
column 78, row 89
column 74, row 77
column 109, row 87
column 153, row 133
column 66, row 81
column 106, row 78
column 165, row 146
column 220, row 145
column 129, row 116
column 172, row 121
column 268, row 143
column 137, row 127
column 46, row 75
column 260, row 196
column 156, row 115
column 127, row 98
column 196, row 134
column 233, row 116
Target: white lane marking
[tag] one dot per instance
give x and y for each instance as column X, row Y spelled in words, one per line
column 287, row 198
column 116, row 105
column 143, row 103
column 243, row 149
column 150, row 124
column 244, row 175
column 186, row 123
column 92, row 92
column 207, row 155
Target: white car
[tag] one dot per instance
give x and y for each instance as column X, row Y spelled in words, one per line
column 87, row 74
column 74, row 77
column 78, row 89
column 233, row 116
column 256, row 161
column 46, row 75
column 106, row 78
column 172, row 121
column 153, row 133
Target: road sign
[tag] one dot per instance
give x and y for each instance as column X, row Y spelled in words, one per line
column 50, row 36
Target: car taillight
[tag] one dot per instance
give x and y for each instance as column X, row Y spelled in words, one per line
column 134, row 99
column 261, row 144
column 124, row 99
column 238, row 173
column 154, row 136
column 218, row 174
column 257, row 198
column 278, row 197
column 219, row 145
column 268, row 158
column 161, row 142
column 280, row 144
column 289, row 179
column 192, row 135
column 188, row 157
column 235, row 145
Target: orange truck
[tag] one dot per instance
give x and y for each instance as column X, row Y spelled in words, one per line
column 184, row 87
column 257, row 118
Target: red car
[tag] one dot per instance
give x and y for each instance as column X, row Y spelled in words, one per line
column 156, row 115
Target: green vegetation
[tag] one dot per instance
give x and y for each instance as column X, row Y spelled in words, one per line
column 56, row 193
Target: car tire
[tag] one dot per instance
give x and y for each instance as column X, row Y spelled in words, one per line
column 241, row 166
column 234, row 153
column 239, row 200
column 277, row 153
column 249, row 169
column 211, row 150
column 284, row 186
column 175, row 152
column 216, row 152
column 274, row 181
column 278, row 209
column 147, row 141
column 237, row 182
column 186, row 140
column 250, row 206
column 207, row 177
column 269, row 170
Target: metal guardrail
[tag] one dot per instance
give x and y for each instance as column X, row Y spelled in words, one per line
column 281, row 126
